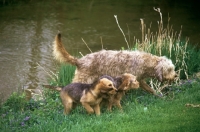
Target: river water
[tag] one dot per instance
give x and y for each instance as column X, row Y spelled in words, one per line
column 27, row 30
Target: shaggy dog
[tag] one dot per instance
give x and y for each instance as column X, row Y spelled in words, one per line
column 115, row 63
column 123, row 84
column 89, row 95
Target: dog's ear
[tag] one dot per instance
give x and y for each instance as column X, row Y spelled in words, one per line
column 106, row 90
column 127, row 85
column 124, row 85
column 103, row 91
column 124, row 82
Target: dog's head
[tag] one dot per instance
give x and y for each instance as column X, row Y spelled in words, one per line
column 129, row 81
column 109, row 78
column 165, row 70
column 106, row 86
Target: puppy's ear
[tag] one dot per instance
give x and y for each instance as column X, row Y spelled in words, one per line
column 103, row 91
column 127, row 86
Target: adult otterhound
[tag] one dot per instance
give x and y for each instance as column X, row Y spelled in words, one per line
column 115, row 63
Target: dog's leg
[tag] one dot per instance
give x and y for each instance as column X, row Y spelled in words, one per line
column 67, row 102
column 119, row 104
column 109, row 107
column 68, row 106
column 109, row 103
column 146, row 87
column 88, row 108
column 97, row 109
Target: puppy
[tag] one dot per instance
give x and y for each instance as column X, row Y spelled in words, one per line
column 89, row 95
column 123, row 83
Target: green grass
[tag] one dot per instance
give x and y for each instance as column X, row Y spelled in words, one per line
column 142, row 112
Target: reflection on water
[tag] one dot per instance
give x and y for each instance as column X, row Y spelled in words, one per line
column 27, row 31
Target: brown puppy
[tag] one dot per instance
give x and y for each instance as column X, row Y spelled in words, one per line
column 89, row 95
column 114, row 63
column 123, row 83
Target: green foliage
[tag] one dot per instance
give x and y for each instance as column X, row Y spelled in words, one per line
column 15, row 98
column 139, row 109
column 192, row 60
column 64, row 76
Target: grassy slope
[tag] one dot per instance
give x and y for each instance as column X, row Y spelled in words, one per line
column 169, row 114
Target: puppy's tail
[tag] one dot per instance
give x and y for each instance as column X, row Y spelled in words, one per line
column 52, row 87
column 60, row 52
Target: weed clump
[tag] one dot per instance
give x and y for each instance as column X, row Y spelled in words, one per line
column 166, row 42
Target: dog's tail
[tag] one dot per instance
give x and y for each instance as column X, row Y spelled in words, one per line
column 60, row 52
column 52, row 87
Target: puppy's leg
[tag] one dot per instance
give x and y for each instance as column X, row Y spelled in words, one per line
column 88, row 108
column 68, row 107
column 109, row 105
column 97, row 109
column 118, row 104
column 67, row 102
column 110, row 102
column 147, row 87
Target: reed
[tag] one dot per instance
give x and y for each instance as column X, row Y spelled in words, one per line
column 164, row 42
column 64, row 75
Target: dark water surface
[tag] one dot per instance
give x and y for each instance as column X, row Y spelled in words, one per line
column 27, row 30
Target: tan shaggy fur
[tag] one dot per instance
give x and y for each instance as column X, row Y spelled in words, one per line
column 115, row 63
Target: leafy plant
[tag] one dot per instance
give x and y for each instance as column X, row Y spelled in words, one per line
column 64, row 75
column 16, row 102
